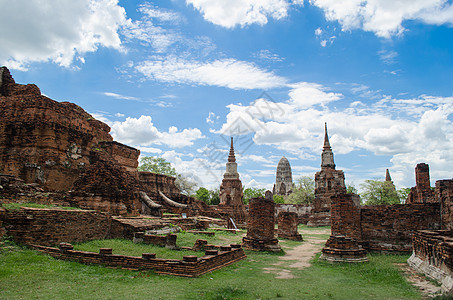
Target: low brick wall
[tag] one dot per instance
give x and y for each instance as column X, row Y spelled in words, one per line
column 390, row 227
column 190, row 266
column 433, row 256
column 52, row 226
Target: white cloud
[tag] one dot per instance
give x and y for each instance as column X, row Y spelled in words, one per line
column 383, row 17
column 230, row 73
column 142, row 132
column 211, row 118
column 59, row 31
column 306, row 94
column 118, row 96
column 267, row 55
column 388, row 57
column 409, row 131
column 230, row 13
column 119, row 115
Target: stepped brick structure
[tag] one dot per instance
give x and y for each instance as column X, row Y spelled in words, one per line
column 284, row 178
column 287, row 226
column 60, row 154
column 328, row 182
column 231, row 193
column 422, row 192
column 260, row 225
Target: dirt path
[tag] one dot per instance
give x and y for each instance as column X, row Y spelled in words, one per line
column 299, row 255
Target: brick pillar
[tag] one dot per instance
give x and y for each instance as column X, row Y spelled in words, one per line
column 345, row 215
column 444, row 194
column 287, row 226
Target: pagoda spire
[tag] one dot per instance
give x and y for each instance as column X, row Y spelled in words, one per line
column 326, row 137
column 387, row 175
column 231, row 156
column 327, row 154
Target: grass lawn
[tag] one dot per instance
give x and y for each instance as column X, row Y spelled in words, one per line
column 26, row 274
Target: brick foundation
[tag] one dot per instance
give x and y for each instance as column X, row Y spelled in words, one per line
column 339, row 248
column 190, row 266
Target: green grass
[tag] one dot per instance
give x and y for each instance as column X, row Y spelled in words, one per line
column 17, row 206
column 28, row 274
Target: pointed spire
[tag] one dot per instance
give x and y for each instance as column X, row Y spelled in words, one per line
column 231, row 157
column 327, row 154
column 326, row 137
column 387, row 175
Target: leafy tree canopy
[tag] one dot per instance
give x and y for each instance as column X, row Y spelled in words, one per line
column 210, row 197
column 377, row 192
column 253, row 192
column 303, row 191
column 156, row 165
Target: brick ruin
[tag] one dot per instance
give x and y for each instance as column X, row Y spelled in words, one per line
column 287, row 226
column 433, row 249
column 260, row 225
column 189, row 266
column 328, row 182
column 283, row 179
column 231, row 202
column 58, row 150
column 422, row 192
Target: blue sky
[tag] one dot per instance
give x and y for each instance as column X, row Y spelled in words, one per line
column 177, row 78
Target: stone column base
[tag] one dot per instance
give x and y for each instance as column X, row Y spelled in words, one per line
column 261, row 245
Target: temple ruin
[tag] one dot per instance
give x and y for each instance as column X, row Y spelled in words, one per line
column 328, row 182
column 260, row 225
column 231, row 195
column 283, row 179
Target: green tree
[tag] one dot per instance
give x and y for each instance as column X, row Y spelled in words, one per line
column 350, row 189
column 403, row 193
column 303, row 191
column 279, row 199
column 203, row 195
column 156, row 165
column 214, row 196
column 250, row 193
column 377, row 192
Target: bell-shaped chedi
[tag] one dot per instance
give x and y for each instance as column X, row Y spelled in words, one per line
column 283, row 179
column 63, row 148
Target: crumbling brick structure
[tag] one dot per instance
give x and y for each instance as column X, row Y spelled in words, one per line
column 283, row 179
column 287, row 226
column 422, row 192
column 303, row 211
column 189, row 266
column 328, row 182
column 260, row 225
column 444, row 194
column 231, row 202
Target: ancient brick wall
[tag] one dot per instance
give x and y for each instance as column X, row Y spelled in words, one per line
column 303, row 211
column 422, row 192
column 433, row 256
column 444, row 194
column 51, row 227
column 190, row 266
column 390, row 227
column 123, row 154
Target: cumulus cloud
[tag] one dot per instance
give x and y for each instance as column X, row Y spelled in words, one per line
column 60, row 31
column 230, row 73
column 409, row 131
column 385, row 18
column 142, row 132
column 231, row 13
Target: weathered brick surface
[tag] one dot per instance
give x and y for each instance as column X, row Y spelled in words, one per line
column 51, row 227
column 345, row 216
column 190, row 266
column 422, row 192
column 390, row 227
column 260, row 225
column 287, row 226
column 168, row 241
column 339, row 248
column 444, row 193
